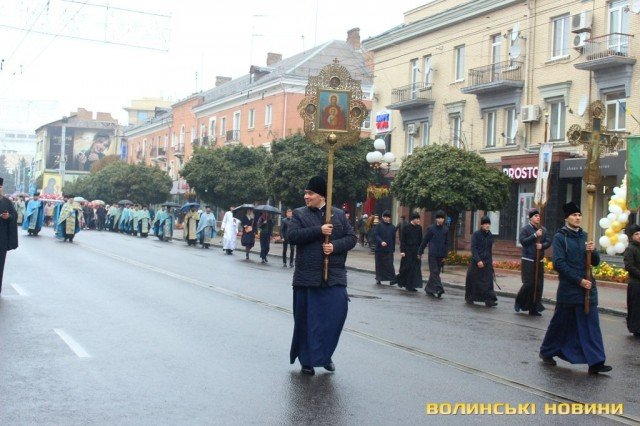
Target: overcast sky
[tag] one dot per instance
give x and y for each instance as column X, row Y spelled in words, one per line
column 80, row 53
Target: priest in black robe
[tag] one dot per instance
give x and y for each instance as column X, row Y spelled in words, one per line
column 410, row 275
column 8, row 228
column 479, row 282
column 384, row 237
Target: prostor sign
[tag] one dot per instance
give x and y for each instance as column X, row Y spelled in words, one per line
column 521, row 173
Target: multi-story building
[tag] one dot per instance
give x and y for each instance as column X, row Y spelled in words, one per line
column 251, row 110
column 67, row 148
column 499, row 77
column 142, row 110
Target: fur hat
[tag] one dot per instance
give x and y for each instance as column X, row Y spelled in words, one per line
column 485, row 219
column 533, row 212
column 318, row 185
column 570, row 208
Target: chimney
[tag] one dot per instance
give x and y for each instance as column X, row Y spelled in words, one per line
column 272, row 58
column 222, row 80
column 353, row 38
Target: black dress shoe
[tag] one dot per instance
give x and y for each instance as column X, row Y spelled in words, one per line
column 548, row 360
column 430, row 294
column 309, row 371
column 412, row 289
column 393, row 282
column 490, row 304
column 330, row 367
column 535, row 314
column 378, row 282
column 599, row 368
column 439, row 294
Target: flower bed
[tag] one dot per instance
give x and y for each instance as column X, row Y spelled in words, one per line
column 603, row 271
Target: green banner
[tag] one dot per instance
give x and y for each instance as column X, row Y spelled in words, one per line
column 633, row 173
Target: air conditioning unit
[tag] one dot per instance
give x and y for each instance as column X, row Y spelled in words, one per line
column 580, row 40
column 412, row 129
column 581, row 22
column 530, row 113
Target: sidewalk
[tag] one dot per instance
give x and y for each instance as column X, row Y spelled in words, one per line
column 612, row 297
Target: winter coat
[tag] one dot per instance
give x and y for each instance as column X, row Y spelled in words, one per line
column 528, row 239
column 632, row 262
column 482, row 247
column 436, row 237
column 306, row 234
column 570, row 260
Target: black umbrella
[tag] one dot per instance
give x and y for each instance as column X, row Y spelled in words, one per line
column 125, row 202
column 170, row 204
column 187, row 206
column 267, row 208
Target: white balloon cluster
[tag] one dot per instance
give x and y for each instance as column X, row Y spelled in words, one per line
column 614, row 239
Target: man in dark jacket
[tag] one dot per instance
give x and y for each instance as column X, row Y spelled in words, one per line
column 8, row 228
column 632, row 265
column 436, row 237
column 384, row 238
column 319, row 305
column 534, row 239
column 573, row 334
column 284, row 229
column 479, row 281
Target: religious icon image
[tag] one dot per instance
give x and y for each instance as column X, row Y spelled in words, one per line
column 333, row 108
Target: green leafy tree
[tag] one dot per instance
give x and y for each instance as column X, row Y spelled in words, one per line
column 451, row 179
column 228, row 175
column 295, row 160
column 119, row 180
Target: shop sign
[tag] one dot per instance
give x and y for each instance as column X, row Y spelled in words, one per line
column 521, row 173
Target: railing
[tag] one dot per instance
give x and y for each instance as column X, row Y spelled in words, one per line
column 178, row 149
column 233, row 135
column 411, row 92
column 614, row 44
column 500, row 71
column 158, row 152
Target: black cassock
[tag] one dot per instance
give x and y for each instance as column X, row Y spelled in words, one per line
column 8, row 232
column 410, row 274
column 479, row 282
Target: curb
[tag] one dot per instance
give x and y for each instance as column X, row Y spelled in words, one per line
column 601, row 309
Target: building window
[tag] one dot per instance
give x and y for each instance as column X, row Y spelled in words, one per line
column 490, row 129
column 236, row 121
column 223, row 126
column 252, row 118
column 203, row 131
column 459, row 62
column 183, row 134
column 496, row 48
column 415, row 78
column 557, row 117
column 560, row 36
column 616, row 109
column 619, row 23
column 426, row 63
column 268, row 110
column 366, row 124
column 411, row 139
column 212, row 127
column 143, row 116
column 510, row 126
column 426, row 130
column 456, row 130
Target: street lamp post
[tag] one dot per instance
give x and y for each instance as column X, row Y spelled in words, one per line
column 380, row 161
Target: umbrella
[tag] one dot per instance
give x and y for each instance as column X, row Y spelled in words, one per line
column 267, row 208
column 98, row 202
column 243, row 207
column 125, row 202
column 170, row 204
column 188, row 206
column 79, row 199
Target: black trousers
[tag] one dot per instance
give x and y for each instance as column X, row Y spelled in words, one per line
column 284, row 252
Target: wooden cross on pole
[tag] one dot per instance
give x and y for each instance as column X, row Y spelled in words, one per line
column 596, row 141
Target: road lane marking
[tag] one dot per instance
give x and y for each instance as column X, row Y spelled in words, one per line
column 19, row 290
column 73, row 345
column 438, row 359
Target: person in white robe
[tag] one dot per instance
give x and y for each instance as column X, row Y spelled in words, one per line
column 229, row 227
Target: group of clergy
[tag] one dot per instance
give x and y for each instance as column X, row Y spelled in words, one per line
column 67, row 216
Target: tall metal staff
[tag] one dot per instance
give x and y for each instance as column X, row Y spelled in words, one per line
column 540, row 200
column 333, row 113
column 596, row 140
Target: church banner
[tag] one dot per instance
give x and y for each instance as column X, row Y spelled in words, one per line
column 544, row 168
column 633, row 173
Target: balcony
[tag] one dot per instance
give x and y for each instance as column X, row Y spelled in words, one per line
column 232, row 137
column 158, row 154
column 496, row 77
column 178, row 150
column 605, row 52
column 412, row 96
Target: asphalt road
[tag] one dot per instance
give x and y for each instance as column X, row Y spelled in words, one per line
column 119, row 330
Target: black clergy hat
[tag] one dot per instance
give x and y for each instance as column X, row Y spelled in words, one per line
column 570, row 208
column 1, row 181
column 386, row 213
column 318, row 185
column 441, row 213
column 632, row 229
column 415, row 215
column 485, row 219
column 533, row 212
